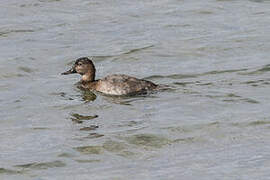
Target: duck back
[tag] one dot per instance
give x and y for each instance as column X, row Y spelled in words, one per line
column 120, row 84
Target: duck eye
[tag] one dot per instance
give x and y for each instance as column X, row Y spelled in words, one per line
column 79, row 63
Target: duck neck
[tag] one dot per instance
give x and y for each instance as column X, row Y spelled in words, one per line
column 88, row 77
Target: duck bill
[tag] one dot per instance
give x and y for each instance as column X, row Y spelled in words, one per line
column 71, row 71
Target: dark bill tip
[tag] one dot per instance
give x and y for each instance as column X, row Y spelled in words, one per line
column 71, row 71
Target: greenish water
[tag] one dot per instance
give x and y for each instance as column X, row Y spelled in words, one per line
column 213, row 123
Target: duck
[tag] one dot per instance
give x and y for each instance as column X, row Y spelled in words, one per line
column 115, row 84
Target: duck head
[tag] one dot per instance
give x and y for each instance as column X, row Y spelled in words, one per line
column 85, row 67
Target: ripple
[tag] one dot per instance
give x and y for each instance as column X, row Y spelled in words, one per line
column 65, row 155
column 248, row 100
column 257, row 83
column 185, row 76
column 264, row 69
column 131, row 123
column 224, row 0
column 184, row 84
column 7, row 32
column 148, row 140
column 30, row 5
column 82, row 117
column 127, row 154
column 176, row 26
column 198, row 83
column 87, row 160
column 258, row 123
column 40, row 128
column 89, row 128
column 62, row 94
column 114, row 146
column 78, row 118
column 253, row 82
column 173, row 76
column 49, row 0
column 26, row 69
column 224, row 71
column 94, row 135
column 128, row 99
column 185, row 140
column 101, row 57
column 40, row 166
column 11, row 75
column 259, row 1
column 118, row 56
column 9, row 171
column 252, row 123
column 205, row 12
column 137, row 49
column 90, row 149
column 231, row 97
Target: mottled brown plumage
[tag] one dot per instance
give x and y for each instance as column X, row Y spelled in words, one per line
column 116, row 84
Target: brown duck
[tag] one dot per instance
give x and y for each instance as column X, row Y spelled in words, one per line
column 116, row 84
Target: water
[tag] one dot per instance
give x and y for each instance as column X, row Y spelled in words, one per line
column 213, row 124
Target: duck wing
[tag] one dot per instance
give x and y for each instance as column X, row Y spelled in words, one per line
column 120, row 84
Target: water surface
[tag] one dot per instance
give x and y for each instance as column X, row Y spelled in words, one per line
column 213, row 124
